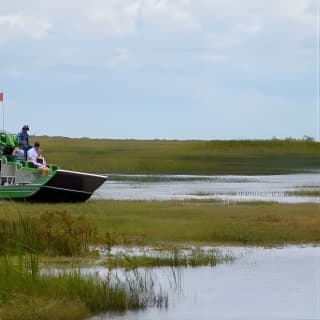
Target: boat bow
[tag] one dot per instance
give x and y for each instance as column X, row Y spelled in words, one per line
column 68, row 186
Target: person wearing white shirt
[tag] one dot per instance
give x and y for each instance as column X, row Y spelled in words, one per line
column 36, row 160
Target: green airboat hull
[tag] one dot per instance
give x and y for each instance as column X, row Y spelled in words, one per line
column 19, row 181
column 59, row 186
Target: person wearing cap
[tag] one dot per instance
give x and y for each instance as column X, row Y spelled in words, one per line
column 23, row 138
column 36, row 160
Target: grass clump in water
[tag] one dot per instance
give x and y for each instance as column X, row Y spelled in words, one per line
column 174, row 258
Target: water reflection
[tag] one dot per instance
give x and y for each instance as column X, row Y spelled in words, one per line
column 277, row 188
column 277, row 283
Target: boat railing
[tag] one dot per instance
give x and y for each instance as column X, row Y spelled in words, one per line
column 7, row 173
column 29, row 165
column 13, row 172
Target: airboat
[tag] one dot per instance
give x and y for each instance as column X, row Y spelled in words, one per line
column 19, row 180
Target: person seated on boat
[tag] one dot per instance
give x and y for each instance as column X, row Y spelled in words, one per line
column 23, row 137
column 36, row 160
column 19, row 152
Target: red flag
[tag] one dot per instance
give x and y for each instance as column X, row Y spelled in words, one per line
column 1, row 96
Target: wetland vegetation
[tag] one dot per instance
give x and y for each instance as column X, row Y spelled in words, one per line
column 315, row 192
column 152, row 222
column 33, row 236
column 28, row 294
column 182, row 157
column 168, row 258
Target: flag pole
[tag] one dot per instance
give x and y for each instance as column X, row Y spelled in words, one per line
column 2, row 115
column 1, row 99
column 318, row 70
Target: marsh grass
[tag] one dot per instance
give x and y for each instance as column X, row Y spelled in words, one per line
column 305, row 193
column 173, row 258
column 54, row 233
column 141, row 223
column 138, row 223
column 25, row 293
column 182, row 157
column 142, row 283
column 69, row 229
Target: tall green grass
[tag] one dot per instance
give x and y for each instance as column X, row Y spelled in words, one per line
column 182, row 157
column 151, row 222
column 54, row 233
column 26, row 294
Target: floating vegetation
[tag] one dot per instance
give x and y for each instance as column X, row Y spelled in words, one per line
column 172, row 258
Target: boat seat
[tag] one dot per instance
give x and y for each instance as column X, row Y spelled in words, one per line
column 8, row 173
column 26, row 176
column 27, row 164
column 30, row 165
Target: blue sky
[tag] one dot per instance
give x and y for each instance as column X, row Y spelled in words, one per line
column 167, row 69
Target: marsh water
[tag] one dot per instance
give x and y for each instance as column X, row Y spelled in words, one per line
column 226, row 188
column 262, row 283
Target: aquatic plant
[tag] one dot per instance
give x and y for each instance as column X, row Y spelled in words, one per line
column 169, row 258
column 26, row 293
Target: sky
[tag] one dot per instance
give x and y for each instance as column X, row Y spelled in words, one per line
column 161, row 69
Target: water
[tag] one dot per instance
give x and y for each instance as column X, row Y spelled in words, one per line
column 226, row 188
column 277, row 283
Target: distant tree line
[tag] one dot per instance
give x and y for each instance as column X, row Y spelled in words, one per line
column 304, row 138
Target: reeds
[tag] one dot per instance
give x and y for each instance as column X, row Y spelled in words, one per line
column 55, row 233
column 25, row 293
column 169, row 258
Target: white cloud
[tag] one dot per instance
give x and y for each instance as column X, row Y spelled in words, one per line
column 232, row 18
column 122, row 59
column 124, row 17
column 112, row 17
column 170, row 15
column 19, row 24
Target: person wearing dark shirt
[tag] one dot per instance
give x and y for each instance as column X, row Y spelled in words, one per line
column 23, row 138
